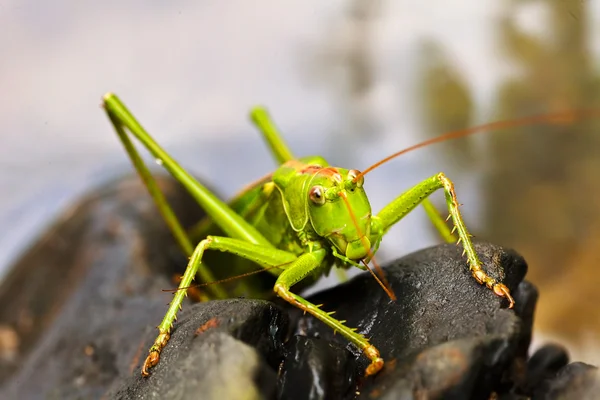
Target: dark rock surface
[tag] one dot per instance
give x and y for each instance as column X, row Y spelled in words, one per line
column 228, row 349
column 544, row 364
column 83, row 297
column 92, row 305
column 574, row 381
column 314, row 368
column 445, row 336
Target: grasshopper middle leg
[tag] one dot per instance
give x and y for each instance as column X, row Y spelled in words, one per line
column 260, row 254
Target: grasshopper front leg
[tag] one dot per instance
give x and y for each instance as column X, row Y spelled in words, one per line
column 297, row 271
column 406, row 202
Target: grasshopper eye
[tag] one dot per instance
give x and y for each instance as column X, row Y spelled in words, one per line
column 352, row 174
column 317, row 195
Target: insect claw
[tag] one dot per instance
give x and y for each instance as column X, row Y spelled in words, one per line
column 150, row 362
column 502, row 291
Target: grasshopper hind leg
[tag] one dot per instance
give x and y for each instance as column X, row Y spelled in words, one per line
column 263, row 255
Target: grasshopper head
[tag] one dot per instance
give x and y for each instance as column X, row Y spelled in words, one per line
column 339, row 211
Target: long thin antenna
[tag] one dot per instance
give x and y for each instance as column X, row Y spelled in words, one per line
column 558, row 117
column 231, row 278
column 383, row 282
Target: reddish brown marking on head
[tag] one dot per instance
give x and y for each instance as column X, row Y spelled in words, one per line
column 311, row 169
column 330, row 172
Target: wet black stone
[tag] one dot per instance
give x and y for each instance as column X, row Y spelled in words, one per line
column 219, row 350
column 544, row 364
column 90, row 290
column 574, row 381
column 316, row 369
column 526, row 297
column 445, row 337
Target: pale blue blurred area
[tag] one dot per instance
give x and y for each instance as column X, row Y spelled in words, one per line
column 190, row 70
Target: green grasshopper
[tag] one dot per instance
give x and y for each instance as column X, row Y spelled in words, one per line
column 298, row 221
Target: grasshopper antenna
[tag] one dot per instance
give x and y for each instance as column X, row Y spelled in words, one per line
column 379, row 276
column 231, row 278
column 555, row 118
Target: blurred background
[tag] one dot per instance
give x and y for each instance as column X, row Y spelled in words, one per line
column 351, row 80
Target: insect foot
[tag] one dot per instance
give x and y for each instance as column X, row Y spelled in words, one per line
column 154, row 356
column 376, row 361
column 499, row 289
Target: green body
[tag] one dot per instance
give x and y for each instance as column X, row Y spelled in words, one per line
column 279, row 208
column 298, row 222
column 262, row 206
